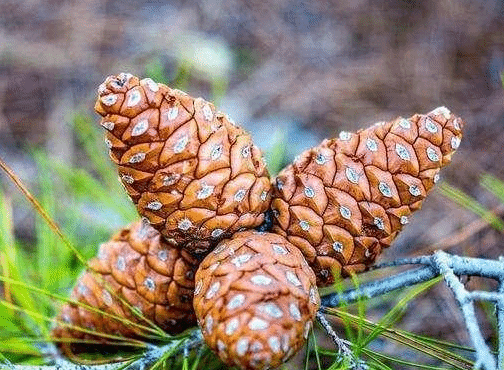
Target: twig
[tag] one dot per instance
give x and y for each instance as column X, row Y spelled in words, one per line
column 422, row 260
column 461, row 266
column 450, row 267
column 144, row 362
column 380, row 287
column 484, row 358
column 147, row 359
column 343, row 345
column 344, row 351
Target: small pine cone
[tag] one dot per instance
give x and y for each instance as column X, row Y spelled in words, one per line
column 189, row 170
column 255, row 300
column 345, row 200
column 136, row 266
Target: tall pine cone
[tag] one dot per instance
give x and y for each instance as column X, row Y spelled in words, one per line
column 345, row 200
column 136, row 266
column 255, row 300
column 189, row 170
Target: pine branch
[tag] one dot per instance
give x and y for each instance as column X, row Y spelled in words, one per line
column 461, row 266
column 484, row 358
column 379, row 287
column 450, row 267
column 148, row 359
column 343, row 345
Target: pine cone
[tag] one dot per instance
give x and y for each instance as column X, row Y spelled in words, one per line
column 136, row 266
column 345, row 200
column 255, row 300
column 189, row 170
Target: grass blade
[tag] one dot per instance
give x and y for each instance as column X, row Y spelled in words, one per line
column 12, row 266
column 396, row 312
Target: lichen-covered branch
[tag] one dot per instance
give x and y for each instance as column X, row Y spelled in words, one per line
column 380, row 287
column 460, row 265
column 145, row 362
column 344, row 351
column 343, row 345
column 450, row 267
column 484, row 359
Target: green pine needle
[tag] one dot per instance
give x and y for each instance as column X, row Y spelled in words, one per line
column 493, row 185
column 471, row 204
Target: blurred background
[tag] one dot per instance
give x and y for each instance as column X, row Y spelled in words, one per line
column 290, row 71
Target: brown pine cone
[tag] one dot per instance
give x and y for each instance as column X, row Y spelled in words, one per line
column 345, row 200
column 189, row 170
column 255, row 300
column 136, row 266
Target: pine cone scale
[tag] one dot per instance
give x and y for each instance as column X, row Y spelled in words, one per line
column 142, row 128
column 382, row 187
column 404, row 129
column 349, row 177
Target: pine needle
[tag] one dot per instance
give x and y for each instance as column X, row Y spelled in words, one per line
column 417, row 343
column 58, row 297
column 62, row 323
column 38, row 208
column 471, row 204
